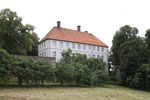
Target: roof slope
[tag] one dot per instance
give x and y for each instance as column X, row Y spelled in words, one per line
column 73, row 36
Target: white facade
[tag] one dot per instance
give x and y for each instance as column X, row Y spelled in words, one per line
column 54, row 48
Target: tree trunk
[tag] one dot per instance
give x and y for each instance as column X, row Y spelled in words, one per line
column 27, row 82
column 19, row 81
column 77, row 81
column 62, row 82
column 42, row 82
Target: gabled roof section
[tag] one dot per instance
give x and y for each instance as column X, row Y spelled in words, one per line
column 73, row 36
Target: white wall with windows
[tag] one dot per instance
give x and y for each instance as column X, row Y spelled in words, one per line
column 54, row 48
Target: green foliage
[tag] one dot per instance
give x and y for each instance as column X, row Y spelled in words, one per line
column 124, row 34
column 43, row 71
column 22, row 69
column 141, row 78
column 78, row 68
column 34, row 51
column 15, row 37
column 30, row 71
column 118, row 77
column 147, row 38
column 96, row 64
column 64, row 72
column 5, row 66
column 129, row 52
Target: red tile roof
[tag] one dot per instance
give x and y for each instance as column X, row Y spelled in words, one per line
column 73, row 36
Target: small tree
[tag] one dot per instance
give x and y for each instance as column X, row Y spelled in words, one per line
column 22, row 69
column 42, row 71
column 65, row 72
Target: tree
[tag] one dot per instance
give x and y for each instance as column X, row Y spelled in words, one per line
column 147, row 38
column 22, row 69
column 15, row 37
column 96, row 64
column 131, row 57
column 65, row 72
column 5, row 66
column 128, row 53
column 124, row 34
column 78, row 68
column 34, row 51
column 42, row 71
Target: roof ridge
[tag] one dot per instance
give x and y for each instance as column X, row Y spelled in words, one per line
column 72, row 30
column 71, row 35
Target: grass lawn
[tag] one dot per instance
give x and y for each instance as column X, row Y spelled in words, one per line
column 107, row 92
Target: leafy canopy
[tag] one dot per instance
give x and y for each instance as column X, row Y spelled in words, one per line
column 15, row 37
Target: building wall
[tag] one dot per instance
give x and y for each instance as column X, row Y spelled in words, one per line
column 48, row 47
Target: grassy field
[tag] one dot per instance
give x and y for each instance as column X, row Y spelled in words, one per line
column 107, row 92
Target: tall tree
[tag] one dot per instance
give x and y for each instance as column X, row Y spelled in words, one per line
column 15, row 37
column 147, row 38
column 34, row 51
column 5, row 66
column 124, row 34
column 128, row 52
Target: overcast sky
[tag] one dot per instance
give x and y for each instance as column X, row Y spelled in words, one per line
column 99, row 17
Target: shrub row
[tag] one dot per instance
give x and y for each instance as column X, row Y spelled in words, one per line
column 71, row 69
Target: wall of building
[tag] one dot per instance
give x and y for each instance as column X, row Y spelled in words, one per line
column 48, row 47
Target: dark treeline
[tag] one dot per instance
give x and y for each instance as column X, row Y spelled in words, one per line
column 131, row 58
column 73, row 69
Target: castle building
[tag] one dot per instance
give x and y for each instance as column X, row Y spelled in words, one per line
column 59, row 39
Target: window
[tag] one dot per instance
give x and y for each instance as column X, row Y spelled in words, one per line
column 89, row 47
column 93, row 48
column 54, row 43
column 84, row 47
column 67, row 45
column 54, row 53
column 61, row 54
column 89, row 55
column 79, row 46
column 98, row 56
column 102, row 57
column 73, row 46
column 102, row 49
column 97, row 48
column 44, row 44
column 61, row 44
column 45, row 54
column 93, row 56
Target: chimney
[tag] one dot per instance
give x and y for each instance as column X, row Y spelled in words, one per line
column 78, row 28
column 86, row 31
column 58, row 24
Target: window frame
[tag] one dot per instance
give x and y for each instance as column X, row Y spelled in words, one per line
column 61, row 44
column 54, row 43
column 54, row 54
column 73, row 45
column 79, row 46
column 84, row 46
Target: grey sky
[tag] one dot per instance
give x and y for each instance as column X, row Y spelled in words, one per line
column 99, row 17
